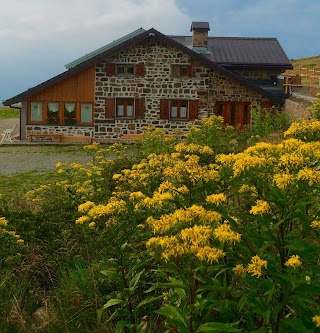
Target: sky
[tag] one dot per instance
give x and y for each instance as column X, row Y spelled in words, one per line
column 38, row 37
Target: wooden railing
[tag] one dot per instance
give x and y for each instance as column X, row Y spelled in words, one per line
column 303, row 77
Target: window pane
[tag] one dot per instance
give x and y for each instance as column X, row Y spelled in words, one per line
column 174, row 112
column 129, row 111
column 120, row 110
column 86, row 113
column 69, row 107
column 53, row 107
column 36, row 111
column 120, row 69
column 183, row 112
column 130, row 69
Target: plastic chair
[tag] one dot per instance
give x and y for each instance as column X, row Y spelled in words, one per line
column 7, row 134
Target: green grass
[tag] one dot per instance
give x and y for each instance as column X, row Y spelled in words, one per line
column 6, row 112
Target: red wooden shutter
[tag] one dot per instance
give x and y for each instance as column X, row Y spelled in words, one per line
column 164, row 108
column 191, row 70
column 175, row 70
column 111, row 69
column 110, row 108
column 226, row 113
column 140, row 69
column 139, row 108
column 193, row 109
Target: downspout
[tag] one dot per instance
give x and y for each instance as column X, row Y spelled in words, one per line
column 20, row 109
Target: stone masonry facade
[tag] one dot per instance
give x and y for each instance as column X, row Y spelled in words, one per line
column 158, row 83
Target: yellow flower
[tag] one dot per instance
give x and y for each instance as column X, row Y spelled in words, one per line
column 216, row 199
column 60, row 171
column 85, row 206
column 260, row 208
column 59, row 165
column 92, row 224
column 316, row 320
column 282, row 180
column 209, row 254
column 20, row 241
column 315, row 224
column 308, row 279
column 239, row 270
column 3, row 222
column 293, row 261
column 225, row 234
column 256, row 265
column 82, row 219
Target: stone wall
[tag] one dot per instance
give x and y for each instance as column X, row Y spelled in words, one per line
column 296, row 107
column 158, row 83
column 64, row 130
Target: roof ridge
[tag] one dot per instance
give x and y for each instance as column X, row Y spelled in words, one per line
column 104, row 48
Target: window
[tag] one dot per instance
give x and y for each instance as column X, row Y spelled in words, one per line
column 124, row 108
column 182, row 70
column 125, row 69
column 177, row 109
column 36, row 112
column 86, row 115
column 61, row 113
column 53, row 113
column 234, row 113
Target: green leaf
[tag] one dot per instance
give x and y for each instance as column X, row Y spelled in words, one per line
column 134, row 281
column 149, row 300
column 112, row 302
column 174, row 313
column 218, row 327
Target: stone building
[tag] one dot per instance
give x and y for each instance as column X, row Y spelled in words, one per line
column 150, row 79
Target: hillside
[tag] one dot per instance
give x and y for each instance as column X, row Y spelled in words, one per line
column 311, row 62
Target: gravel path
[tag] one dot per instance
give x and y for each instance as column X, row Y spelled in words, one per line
column 17, row 159
column 34, row 157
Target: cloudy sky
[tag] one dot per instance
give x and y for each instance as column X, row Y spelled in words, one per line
column 38, row 37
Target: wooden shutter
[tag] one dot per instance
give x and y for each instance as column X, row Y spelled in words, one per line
column 191, row 70
column 164, row 108
column 111, row 69
column 140, row 69
column 193, row 109
column 139, row 108
column 110, row 108
column 175, row 70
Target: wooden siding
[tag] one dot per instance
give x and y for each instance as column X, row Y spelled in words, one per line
column 77, row 88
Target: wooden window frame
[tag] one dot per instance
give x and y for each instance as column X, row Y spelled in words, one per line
column 125, row 104
column 192, row 109
column 111, row 108
column 61, row 114
column 125, row 72
column 178, row 103
column 44, row 107
column 78, row 114
column 182, row 70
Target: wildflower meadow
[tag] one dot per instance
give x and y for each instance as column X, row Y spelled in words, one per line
column 215, row 232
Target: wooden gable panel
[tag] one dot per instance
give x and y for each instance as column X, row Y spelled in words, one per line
column 77, row 88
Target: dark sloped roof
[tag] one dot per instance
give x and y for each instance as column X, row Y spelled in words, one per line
column 151, row 33
column 239, row 51
column 200, row 26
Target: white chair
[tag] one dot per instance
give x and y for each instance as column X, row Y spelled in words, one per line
column 7, row 134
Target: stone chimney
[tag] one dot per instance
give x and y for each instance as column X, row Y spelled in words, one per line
column 200, row 34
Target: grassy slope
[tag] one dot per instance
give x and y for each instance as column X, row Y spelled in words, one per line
column 6, row 112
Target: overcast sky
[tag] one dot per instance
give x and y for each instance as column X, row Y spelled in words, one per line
column 38, row 37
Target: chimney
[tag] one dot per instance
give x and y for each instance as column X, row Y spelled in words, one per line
column 200, row 35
